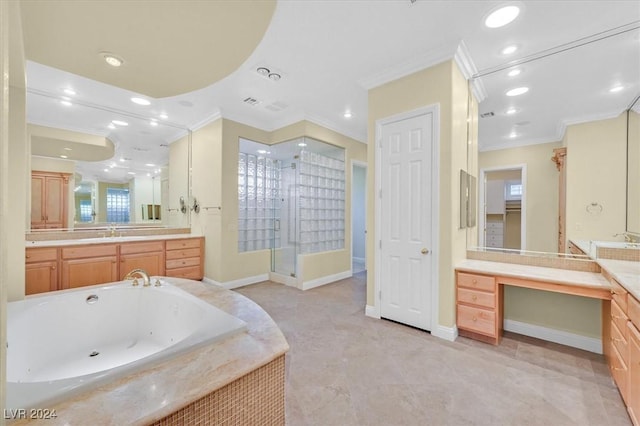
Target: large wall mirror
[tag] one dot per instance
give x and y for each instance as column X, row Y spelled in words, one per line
column 125, row 168
column 633, row 168
column 584, row 112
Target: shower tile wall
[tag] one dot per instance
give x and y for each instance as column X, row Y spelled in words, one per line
column 322, row 202
column 258, row 202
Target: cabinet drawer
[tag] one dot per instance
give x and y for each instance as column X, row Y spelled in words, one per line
column 495, row 231
column 619, row 340
column 633, row 310
column 151, row 246
column 619, row 372
column 619, row 318
column 191, row 272
column 495, row 225
column 182, row 244
column 476, row 319
column 619, row 294
column 181, row 254
column 478, row 282
column 479, row 298
column 40, row 254
column 180, row 263
column 79, row 252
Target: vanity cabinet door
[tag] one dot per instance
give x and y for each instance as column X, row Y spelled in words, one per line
column 41, row 277
column 49, row 200
column 633, row 400
column 89, row 271
column 148, row 256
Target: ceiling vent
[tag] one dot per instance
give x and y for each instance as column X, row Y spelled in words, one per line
column 487, row 114
column 251, row 101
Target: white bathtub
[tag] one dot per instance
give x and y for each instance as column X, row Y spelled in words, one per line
column 62, row 343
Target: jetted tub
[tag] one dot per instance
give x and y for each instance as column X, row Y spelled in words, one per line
column 61, row 343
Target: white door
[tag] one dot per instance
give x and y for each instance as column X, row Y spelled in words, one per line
column 405, row 219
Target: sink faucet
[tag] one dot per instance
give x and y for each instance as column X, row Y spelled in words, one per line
column 140, row 273
column 112, row 230
column 627, row 237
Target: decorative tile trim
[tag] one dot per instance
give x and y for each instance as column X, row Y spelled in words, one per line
column 547, row 262
column 629, row 254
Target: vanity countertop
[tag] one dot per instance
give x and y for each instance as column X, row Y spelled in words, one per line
column 107, row 240
column 160, row 389
column 627, row 273
column 537, row 273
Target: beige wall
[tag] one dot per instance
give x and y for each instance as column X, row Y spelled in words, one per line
column 541, row 190
column 178, row 183
column 442, row 84
column 596, row 173
column 633, row 190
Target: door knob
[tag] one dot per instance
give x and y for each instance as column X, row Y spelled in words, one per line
column 424, row 251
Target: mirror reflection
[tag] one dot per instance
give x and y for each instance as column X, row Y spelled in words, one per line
column 93, row 165
column 562, row 147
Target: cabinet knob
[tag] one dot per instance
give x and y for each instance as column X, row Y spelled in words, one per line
column 53, row 268
column 474, row 297
column 475, row 319
column 474, row 281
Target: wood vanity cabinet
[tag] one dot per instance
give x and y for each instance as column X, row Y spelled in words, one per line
column 619, row 339
column 479, row 307
column 633, row 391
column 147, row 255
column 49, row 200
column 41, row 270
column 89, row 265
column 185, row 258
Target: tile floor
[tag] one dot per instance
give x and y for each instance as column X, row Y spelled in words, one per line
column 347, row 369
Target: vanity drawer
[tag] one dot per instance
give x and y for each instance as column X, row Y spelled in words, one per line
column 619, row 340
column 191, row 272
column 633, row 310
column 40, row 254
column 479, row 320
column 180, row 263
column 151, row 246
column 495, row 225
column 181, row 254
column 619, row 318
column 79, row 252
column 619, row 294
column 619, row 371
column 475, row 297
column 183, row 244
column 495, row 231
column 478, row 282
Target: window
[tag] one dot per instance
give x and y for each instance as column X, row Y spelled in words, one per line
column 514, row 190
column 85, row 211
column 117, row 205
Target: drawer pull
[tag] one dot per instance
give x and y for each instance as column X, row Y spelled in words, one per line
column 613, row 339
column 616, row 368
column 475, row 319
column 474, row 281
column 617, row 317
column 474, row 297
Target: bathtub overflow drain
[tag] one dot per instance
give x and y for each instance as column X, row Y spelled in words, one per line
column 94, row 353
column 92, row 299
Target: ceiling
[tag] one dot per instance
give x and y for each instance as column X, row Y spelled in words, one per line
column 328, row 54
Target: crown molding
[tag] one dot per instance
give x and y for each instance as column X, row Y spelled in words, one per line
column 327, row 124
column 415, row 64
column 519, row 144
column 217, row 114
column 562, row 126
column 462, row 57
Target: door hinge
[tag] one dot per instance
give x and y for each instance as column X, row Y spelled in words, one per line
column 379, row 294
column 380, row 193
column 380, row 244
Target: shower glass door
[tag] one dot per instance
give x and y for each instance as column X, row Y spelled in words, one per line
column 285, row 213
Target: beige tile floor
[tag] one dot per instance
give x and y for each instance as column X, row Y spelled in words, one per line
column 347, row 369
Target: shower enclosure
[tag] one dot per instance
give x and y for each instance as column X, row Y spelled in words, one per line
column 291, row 199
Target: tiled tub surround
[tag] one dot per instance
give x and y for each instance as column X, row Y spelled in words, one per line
column 193, row 380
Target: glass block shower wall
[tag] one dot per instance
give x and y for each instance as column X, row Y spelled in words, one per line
column 321, row 193
column 258, row 202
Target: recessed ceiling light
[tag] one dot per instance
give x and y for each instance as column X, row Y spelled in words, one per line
column 616, row 89
column 509, row 49
column 150, row 165
column 120, row 123
column 122, row 160
column 347, row 114
column 148, row 174
column 502, row 16
column 513, row 135
column 68, row 149
column 69, row 92
column 262, row 151
column 164, row 116
column 517, row 91
column 112, row 165
column 65, row 103
column 263, row 71
column 153, row 123
column 106, row 170
column 302, row 144
column 511, row 111
column 275, row 76
column 131, row 173
column 111, row 126
column 140, row 101
column 63, row 156
column 514, row 72
column 112, row 59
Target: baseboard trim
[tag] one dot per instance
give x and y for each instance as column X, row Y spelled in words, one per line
column 446, row 333
column 229, row 285
column 556, row 336
column 372, row 311
column 283, row 279
column 307, row 285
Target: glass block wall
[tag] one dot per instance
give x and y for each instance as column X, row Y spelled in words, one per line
column 321, row 194
column 258, row 202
